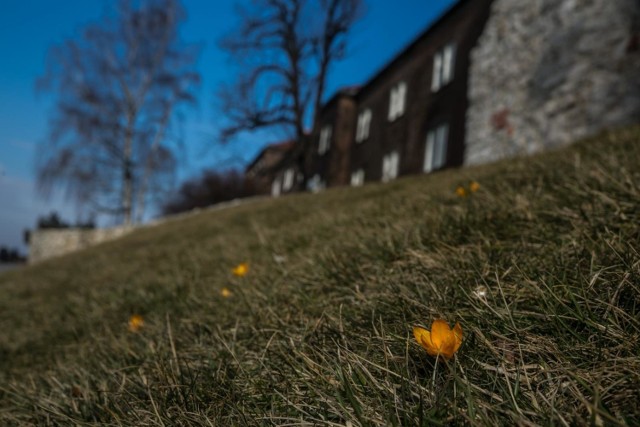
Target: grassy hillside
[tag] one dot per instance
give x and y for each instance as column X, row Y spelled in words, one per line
column 540, row 266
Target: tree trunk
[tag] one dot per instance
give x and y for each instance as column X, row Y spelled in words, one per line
column 127, row 175
column 140, row 205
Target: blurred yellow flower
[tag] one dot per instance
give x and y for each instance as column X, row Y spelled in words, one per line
column 441, row 340
column 241, row 270
column 225, row 292
column 461, row 192
column 136, row 322
column 474, row 186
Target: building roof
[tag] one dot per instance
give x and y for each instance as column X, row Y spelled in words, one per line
column 435, row 24
column 355, row 90
column 282, row 146
column 349, row 91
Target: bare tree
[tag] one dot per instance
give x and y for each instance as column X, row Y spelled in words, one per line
column 119, row 84
column 284, row 50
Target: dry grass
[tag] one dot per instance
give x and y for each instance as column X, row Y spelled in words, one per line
column 541, row 267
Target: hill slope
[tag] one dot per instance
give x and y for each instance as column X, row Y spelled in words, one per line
column 540, row 266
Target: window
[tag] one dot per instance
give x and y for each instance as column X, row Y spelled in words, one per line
column 443, row 67
column 316, row 184
column 364, row 123
column 390, row 164
column 435, row 151
column 397, row 101
column 357, row 178
column 275, row 187
column 325, row 139
column 287, row 183
column 448, row 62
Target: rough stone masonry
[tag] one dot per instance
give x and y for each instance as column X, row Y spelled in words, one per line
column 45, row 244
column 548, row 72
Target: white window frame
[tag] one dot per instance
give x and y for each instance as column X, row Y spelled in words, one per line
column 287, row 181
column 390, row 166
column 444, row 61
column 357, row 178
column 397, row 101
column 325, row 139
column 276, row 187
column 316, row 184
column 448, row 63
column 435, row 150
column 364, row 125
column 436, row 79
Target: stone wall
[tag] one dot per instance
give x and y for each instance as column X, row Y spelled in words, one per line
column 50, row 243
column 44, row 244
column 548, row 72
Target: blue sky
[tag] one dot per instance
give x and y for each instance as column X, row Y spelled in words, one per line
column 29, row 27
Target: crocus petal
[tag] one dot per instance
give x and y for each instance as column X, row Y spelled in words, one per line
column 422, row 336
column 457, row 333
column 448, row 347
column 424, row 339
column 440, row 331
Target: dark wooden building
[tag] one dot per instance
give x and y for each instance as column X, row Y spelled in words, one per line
column 411, row 115
column 408, row 118
column 266, row 166
column 288, row 175
column 327, row 162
